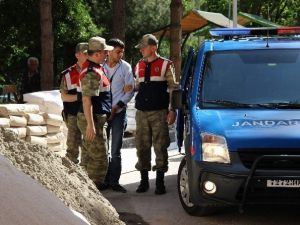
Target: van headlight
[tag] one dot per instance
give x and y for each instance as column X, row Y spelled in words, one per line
column 214, row 148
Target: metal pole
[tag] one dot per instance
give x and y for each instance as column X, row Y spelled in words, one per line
column 234, row 11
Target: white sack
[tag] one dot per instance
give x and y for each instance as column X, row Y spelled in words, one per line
column 54, row 119
column 17, row 109
column 49, row 101
column 43, row 108
column 19, row 131
column 55, row 138
column 36, row 130
column 55, row 147
column 53, row 129
column 34, row 97
column 53, row 107
column 35, row 119
column 37, row 140
column 4, row 122
column 18, row 121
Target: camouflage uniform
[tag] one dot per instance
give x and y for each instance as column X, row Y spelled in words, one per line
column 73, row 138
column 152, row 129
column 94, row 153
column 74, row 134
column 94, row 158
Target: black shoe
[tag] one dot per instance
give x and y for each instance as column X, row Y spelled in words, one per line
column 160, row 190
column 160, row 186
column 144, row 185
column 118, row 188
column 102, row 186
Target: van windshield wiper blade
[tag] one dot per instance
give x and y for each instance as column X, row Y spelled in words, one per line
column 229, row 103
column 280, row 105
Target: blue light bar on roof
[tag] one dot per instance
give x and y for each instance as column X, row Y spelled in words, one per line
column 221, row 32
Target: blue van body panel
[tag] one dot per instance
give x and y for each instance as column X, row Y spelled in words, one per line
column 249, row 128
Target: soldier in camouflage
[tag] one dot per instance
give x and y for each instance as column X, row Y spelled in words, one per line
column 68, row 89
column 96, row 105
column 155, row 82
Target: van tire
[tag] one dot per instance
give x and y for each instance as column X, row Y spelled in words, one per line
column 184, row 195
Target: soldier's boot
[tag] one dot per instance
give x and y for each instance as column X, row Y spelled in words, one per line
column 160, row 186
column 144, row 185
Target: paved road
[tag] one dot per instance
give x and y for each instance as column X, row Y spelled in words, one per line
column 167, row 210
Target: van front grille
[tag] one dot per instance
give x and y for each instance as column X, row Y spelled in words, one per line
column 248, row 156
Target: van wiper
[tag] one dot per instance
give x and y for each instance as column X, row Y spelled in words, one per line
column 280, row 105
column 229, row 103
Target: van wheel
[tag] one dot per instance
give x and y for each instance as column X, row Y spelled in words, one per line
column 184, row 194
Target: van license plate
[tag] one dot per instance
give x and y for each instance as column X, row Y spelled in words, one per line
column 284, row 183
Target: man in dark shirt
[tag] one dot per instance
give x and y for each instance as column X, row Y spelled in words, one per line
column 31, row 80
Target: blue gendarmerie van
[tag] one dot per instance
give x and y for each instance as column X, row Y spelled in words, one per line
column 239, row 117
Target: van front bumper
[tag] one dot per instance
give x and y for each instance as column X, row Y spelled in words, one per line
column 238, row 185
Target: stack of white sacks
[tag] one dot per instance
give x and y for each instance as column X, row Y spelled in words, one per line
column 48, row 101
column 39, row 122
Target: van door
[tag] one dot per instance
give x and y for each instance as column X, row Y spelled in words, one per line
column 184, row 85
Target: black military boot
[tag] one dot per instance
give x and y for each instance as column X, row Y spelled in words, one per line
column 144, row 185
column 160, row 186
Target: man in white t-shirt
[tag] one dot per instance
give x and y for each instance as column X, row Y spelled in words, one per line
column 120, row 74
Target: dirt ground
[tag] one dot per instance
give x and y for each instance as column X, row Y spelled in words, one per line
column 59, row 175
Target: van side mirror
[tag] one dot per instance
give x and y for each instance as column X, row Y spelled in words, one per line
column 177, row 100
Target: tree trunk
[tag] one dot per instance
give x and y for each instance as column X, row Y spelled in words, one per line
column 46, row 44
column 119, row 17
column 176, row 35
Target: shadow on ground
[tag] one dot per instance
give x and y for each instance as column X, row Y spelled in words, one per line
column 132, row 219
column 135, row 209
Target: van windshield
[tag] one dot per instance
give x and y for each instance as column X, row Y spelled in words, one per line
column 253, row 78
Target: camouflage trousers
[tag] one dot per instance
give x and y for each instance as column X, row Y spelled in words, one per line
column 94, row 157
column 73, row 138
column 152, row 129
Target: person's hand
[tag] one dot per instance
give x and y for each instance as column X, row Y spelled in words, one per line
column 63, row 95
column 171, row 117
column 128, row 88
column 90, row 132
column 114, row 110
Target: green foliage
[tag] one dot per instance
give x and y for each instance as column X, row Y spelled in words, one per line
column 283, row 12
column 72, row 23
column 219, row 6
column 101, row 12
column 189, row 5
column 77, row 20
column 143, row 17
column 20, row 37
